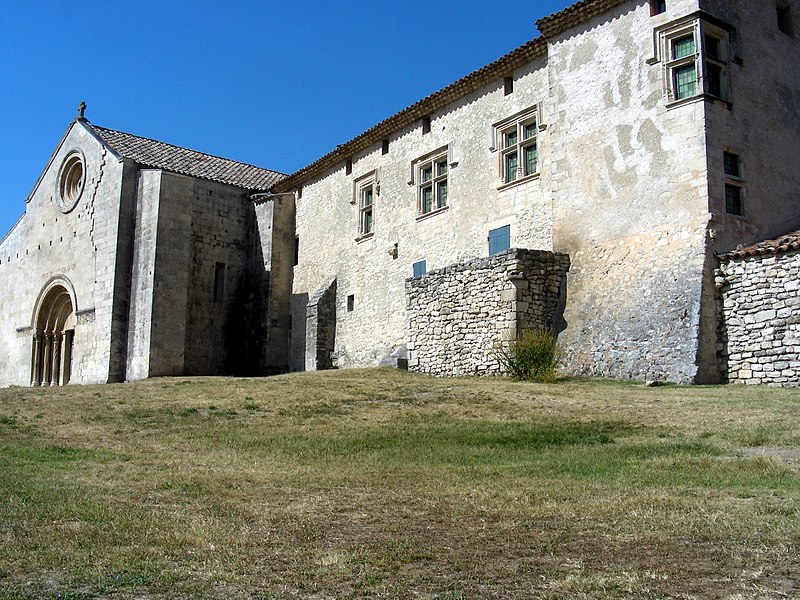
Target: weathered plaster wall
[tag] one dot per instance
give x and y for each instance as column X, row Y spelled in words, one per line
column 327, row 222
column 760, row 325
column 458, row 315
column 630, row 200
column 79, row 246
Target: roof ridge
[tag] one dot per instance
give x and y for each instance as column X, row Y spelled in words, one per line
column 141, row 137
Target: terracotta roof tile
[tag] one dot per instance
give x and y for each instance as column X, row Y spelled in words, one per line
column 152, row 153
column 785, row 243
column 578, row 13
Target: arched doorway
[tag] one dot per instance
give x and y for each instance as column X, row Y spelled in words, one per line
column 54, row 333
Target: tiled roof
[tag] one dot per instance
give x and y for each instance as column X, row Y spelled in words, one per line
column 152, row 153
column 502, row 67
column 578, row 13
column 785, row 243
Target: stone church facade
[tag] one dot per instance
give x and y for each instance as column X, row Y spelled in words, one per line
column 587, row 181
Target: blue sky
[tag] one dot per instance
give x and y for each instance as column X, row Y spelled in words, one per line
column 276, row 84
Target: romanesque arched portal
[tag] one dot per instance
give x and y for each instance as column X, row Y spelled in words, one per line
column 54, row 332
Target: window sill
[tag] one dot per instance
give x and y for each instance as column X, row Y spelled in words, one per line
column 432, row 213
column 526, row 179
column 698, row 97
column 364, row 237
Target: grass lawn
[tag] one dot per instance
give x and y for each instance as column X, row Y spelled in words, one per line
column 386, row 484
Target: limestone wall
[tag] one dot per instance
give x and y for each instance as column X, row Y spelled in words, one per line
column 77, row 247
column 368, row 268
column 459, row 314
column 760, row 325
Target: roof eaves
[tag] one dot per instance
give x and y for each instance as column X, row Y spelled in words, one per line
column 464, row 86
column 578, row 13
column 786, row 243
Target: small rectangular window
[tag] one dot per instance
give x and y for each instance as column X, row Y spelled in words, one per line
column 420, row 268
column 296, row 256
column 385, row 147
column 426, row 125
column 348, row 168
column 351, row 303
column 657, row 7
column 219, row 281
column 431, row 175
column 499, row 240
column 508, row 85
column 732, row 166
column 733, row 200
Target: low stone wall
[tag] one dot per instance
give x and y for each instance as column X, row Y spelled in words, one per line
column 760, row 319
column 457, row 315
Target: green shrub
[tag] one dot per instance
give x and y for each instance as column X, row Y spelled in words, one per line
column 531, row 355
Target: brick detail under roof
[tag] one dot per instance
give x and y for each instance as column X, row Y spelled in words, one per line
column 785, row 243
column 152, row 153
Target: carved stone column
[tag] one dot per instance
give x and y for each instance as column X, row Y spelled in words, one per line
column 36, row 365
column 47, row 361
column 56, row 366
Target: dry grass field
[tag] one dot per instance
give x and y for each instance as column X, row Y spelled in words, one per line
column 386, row 484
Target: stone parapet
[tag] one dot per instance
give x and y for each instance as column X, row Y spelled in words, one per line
column 457, row 315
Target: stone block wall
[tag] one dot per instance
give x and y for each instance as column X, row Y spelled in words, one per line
column 321, row 328
column 458, row 314
column 760, row 319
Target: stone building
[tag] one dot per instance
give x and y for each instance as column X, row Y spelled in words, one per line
column 586, row 180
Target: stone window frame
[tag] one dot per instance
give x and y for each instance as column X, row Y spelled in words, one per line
column 734, row 184
column 710, row 60
column 516, row 124
column 435, row 203
column 71, row 181
column 363, row 185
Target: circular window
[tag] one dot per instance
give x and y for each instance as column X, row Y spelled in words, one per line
column 70, row 182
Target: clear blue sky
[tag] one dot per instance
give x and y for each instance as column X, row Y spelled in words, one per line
column 273, row 83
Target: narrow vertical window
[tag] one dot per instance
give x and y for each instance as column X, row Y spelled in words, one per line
column 385, row 147
column 499, row 240
column 367, row 209
column 420, row 268
column 784, row 14
column 348, row 166
column 508, row 85
column 351, row 303
column 219, row 281
column 734, row 183
column 296, row 256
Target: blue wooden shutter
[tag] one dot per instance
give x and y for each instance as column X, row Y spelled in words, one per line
column 499, row 239
column 420, row 268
